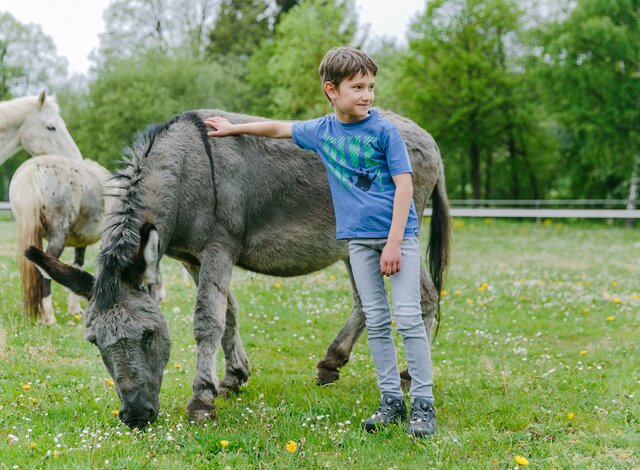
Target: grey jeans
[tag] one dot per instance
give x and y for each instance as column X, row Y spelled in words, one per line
column 364, row 256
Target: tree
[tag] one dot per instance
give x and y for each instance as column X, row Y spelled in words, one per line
column 28, row 59
column 286, row 68
column 160, row 26
column 454, row 83
column 590, row 69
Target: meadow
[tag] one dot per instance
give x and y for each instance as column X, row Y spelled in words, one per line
column 536, row 364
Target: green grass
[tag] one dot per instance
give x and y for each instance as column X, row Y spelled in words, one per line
column 540, row 323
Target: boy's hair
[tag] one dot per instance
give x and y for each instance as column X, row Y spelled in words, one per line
column 342, row 63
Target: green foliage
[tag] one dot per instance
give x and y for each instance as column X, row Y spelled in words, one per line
column 28, row 59
column 287, row 66
column 537, row 356
column 128, row 95
column 590, row 71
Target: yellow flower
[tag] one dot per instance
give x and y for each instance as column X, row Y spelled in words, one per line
column 443, row 293
column 56, row 454
column 332, row 277
column 611, row 318
column 177, row 365
column 224, row 444
column 108, row 382
column 278, row 285
column 570, row 416
column 586, row 310
column 470, row 301
column 34, row 401
column 291, row 446
column 457, row 292
column 78, row 317
column 26, row 387
column 635, row 297
column 614, row 283
column 520, row 460
column 33, row 445
column 115, row 412
column 583, row 352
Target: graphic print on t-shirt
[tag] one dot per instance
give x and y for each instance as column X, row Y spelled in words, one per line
column 359, row 151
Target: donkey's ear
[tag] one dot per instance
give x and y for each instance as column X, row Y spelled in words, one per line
column 41, row 98
column 149, row 249
column 79, row 281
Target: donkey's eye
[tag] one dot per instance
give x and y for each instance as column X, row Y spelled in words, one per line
column 51, row 128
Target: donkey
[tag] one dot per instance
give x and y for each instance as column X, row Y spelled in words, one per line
column 261, row 204
column 34, row 124
column 62, row 200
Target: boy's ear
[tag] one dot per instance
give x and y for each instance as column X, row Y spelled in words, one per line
column 330, row 89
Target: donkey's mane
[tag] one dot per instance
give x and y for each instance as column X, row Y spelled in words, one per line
column 13, row 112
column 121, row 238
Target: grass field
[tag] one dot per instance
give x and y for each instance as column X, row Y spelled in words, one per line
column 537, row 357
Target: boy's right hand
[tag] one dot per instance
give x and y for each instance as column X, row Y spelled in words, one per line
column 221, row 125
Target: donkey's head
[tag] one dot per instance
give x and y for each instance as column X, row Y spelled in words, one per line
column 45, row 132
column 125, row 323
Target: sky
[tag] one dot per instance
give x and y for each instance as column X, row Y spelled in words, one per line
column 74, row 25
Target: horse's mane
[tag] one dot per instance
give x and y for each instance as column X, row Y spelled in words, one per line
column 121, row 238
column 13, row 112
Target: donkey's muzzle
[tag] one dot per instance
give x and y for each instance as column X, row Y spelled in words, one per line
column 138, row 414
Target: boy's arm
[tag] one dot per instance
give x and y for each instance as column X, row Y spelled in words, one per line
column 390, row 258
column 274, row 129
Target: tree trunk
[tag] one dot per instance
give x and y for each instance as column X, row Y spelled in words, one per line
column 513, row 159
column 475, row 170
column 487, row 176
column 533, row 181
column 633, row 190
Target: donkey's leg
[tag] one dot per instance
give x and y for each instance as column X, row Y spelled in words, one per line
column 73, row 304
column 237, row 366
column 340, row 349
column 208, row 325
column 429, row 304
column 55, row 247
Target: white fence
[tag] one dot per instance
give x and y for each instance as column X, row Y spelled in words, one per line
column 536, row 212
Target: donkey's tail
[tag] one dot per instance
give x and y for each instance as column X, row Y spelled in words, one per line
column 439, row 238
column 26, row 200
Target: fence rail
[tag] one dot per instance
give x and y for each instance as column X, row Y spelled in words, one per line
column 521, row 212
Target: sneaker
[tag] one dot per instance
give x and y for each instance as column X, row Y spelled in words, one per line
column 422, row 420
column 391, row 409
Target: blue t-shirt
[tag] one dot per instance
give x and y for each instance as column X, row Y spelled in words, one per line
column 360, row 158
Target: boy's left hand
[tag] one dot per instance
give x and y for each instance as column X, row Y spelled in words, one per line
column 390, row 259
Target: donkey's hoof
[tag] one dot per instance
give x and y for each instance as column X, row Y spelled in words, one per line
column 327, row 376
column 199, row 411
column 228, row 388
column 405, row 380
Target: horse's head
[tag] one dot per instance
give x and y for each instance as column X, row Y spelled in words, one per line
column 126, row 325
column 44, row 132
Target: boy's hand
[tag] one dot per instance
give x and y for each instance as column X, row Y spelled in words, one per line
column 221, row 125
column 390, row 258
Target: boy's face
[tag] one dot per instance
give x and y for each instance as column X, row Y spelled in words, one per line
column 352, row 99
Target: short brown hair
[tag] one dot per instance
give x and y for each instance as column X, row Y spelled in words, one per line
column 341, row 63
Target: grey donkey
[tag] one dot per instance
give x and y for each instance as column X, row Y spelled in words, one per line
column 261, row 204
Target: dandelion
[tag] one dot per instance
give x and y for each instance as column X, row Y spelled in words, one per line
column 611, row 318
column 570, row 416
column 635, row 297
column 278, row 285
column 78, row 317
column 332, row 277
column 34, row 401
column 26, row 387
column 470, row 301
column 457, row 292
column 291, row 446
column 520, row 460
column 115, row 412
column 583, row 352
column 224, row 443
column 177, row 365
column 616, row 300
column 33, row 445
column 443, row 293
column 108, row 382
column 614, row 283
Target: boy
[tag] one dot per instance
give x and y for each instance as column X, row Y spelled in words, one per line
column 370, row 180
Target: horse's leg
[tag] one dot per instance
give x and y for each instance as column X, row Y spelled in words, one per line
column 429, row 304
column 209, row 325
column 237, row 366
column 55, row 247
column 340, row 349
column 73, row 304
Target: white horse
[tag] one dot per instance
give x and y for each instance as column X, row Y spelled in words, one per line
column 62, row 200
column 34, row 124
